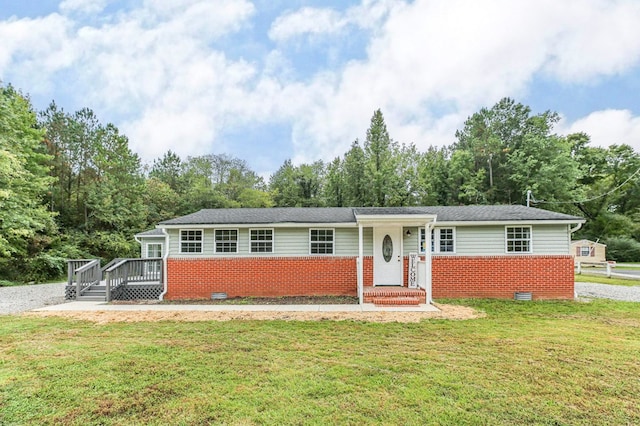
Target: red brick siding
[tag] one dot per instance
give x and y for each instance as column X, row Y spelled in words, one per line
column 547, row 277
column 268, row 276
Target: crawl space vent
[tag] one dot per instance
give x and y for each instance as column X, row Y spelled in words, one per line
column 218, row 296
column 523, row 295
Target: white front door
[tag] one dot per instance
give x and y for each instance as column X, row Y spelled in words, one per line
column 387, row 255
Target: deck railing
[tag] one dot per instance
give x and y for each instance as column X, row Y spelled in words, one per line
column 128, row 271
column 86, row 275
column 74, row 264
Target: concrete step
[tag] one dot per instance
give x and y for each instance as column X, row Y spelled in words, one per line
column 92, row 298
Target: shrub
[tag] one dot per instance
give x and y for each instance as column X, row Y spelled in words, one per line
column 623, row 249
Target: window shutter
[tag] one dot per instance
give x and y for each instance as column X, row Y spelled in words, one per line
column 592, row 252
column 578, row 251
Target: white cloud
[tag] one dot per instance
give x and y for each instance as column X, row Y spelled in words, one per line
column 83, row 6
column 162, row 69
column 306, row 21
column 463, row 54
column 607, row 127
column 316, row 21
column 36, row 48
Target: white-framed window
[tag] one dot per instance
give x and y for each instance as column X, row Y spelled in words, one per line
column 443, row 240
column 586, row 251
column 321, row 241
column 154, row 250
column 518, row 239
column 226, row 240
column 261, row 240
column 191, row 240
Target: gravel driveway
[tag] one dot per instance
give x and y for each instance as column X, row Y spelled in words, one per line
column 22, row 298
column 606, row 291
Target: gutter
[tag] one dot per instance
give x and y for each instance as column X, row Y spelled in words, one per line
column 575, row 228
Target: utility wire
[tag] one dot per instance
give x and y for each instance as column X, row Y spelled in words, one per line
column 589, row 199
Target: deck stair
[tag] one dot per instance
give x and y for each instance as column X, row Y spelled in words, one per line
column 394, row 296
column 123, row 279
column 96, row 292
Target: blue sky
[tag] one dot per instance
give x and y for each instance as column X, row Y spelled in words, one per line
column 271, row 80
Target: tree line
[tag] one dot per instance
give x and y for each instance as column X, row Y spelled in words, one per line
column 70, row 186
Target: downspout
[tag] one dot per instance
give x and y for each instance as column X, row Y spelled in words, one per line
column 165, row 255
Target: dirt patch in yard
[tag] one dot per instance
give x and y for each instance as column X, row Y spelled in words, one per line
column 452, row 312
column 284, row 300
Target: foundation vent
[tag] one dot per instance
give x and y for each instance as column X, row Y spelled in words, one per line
column 523, row 295
column 218, row 296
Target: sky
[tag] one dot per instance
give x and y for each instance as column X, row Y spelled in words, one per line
column 270, row 80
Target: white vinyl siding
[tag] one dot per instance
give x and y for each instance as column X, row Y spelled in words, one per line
column 491, row 240
column 550, row 239
column 479, row 240
column 469, row 241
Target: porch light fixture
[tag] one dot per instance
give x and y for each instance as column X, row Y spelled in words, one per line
column 408, row 233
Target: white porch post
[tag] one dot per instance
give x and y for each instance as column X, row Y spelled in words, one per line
column 427, row 260
column 360, row 267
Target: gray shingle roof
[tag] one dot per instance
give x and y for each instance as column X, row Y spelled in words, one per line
column 472, row 213
column 266, row 216
column 257, row 216
column 157, row 232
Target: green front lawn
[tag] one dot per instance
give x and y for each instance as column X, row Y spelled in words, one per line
column 524, row 363
column 598, row 279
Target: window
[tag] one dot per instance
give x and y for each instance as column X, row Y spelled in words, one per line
column 261, row 240
column 518, row 239
column 442, row 240
column 226, row 240
column 445, row 240
column 321, row 241
column 154, row 250
column 586, row 251
column 191, row 241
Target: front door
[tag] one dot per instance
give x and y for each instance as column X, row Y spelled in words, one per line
column 387, row 255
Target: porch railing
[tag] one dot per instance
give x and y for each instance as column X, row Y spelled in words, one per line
column 128, row 271
column 86, row 275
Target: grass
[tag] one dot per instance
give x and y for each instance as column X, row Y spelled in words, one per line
column 524, row 363
column 631, row 266
column 586, row 278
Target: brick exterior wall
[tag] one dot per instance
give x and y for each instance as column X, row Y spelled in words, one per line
column 546, row 277
column 197, row 278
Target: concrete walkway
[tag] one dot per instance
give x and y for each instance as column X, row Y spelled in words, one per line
column 104, row 307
